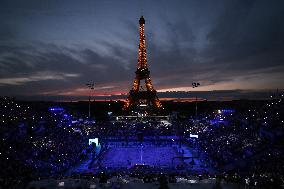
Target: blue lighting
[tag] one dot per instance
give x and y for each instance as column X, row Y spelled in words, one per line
column 227, row 111
column 56, row 109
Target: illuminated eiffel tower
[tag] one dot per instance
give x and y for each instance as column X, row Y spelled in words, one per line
column 138, row 96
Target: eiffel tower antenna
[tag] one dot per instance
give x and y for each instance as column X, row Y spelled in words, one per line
column 141, row 11
column 136, row 95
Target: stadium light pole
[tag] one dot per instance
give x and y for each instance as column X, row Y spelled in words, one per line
column 194, row 85
column 90, row 86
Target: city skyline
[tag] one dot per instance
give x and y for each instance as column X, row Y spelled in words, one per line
column 52, row 49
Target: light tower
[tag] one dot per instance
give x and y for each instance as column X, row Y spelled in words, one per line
column 92, row 87
column 194, row 85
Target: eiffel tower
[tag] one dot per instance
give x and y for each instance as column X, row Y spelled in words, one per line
column 137, row 95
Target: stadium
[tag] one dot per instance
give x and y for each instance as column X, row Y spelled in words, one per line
column 82, row 112
column 54, row 147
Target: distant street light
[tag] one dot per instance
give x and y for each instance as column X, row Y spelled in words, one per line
column 90, row 86
column 194, row 85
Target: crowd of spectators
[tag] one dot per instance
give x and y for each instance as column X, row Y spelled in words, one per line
column 249, row 143
column 36, row 144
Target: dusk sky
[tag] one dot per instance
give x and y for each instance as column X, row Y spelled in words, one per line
column 53, row 48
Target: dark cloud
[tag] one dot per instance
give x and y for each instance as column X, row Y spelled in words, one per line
column 58, row 68
column 247, row 29
column 6, row 33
